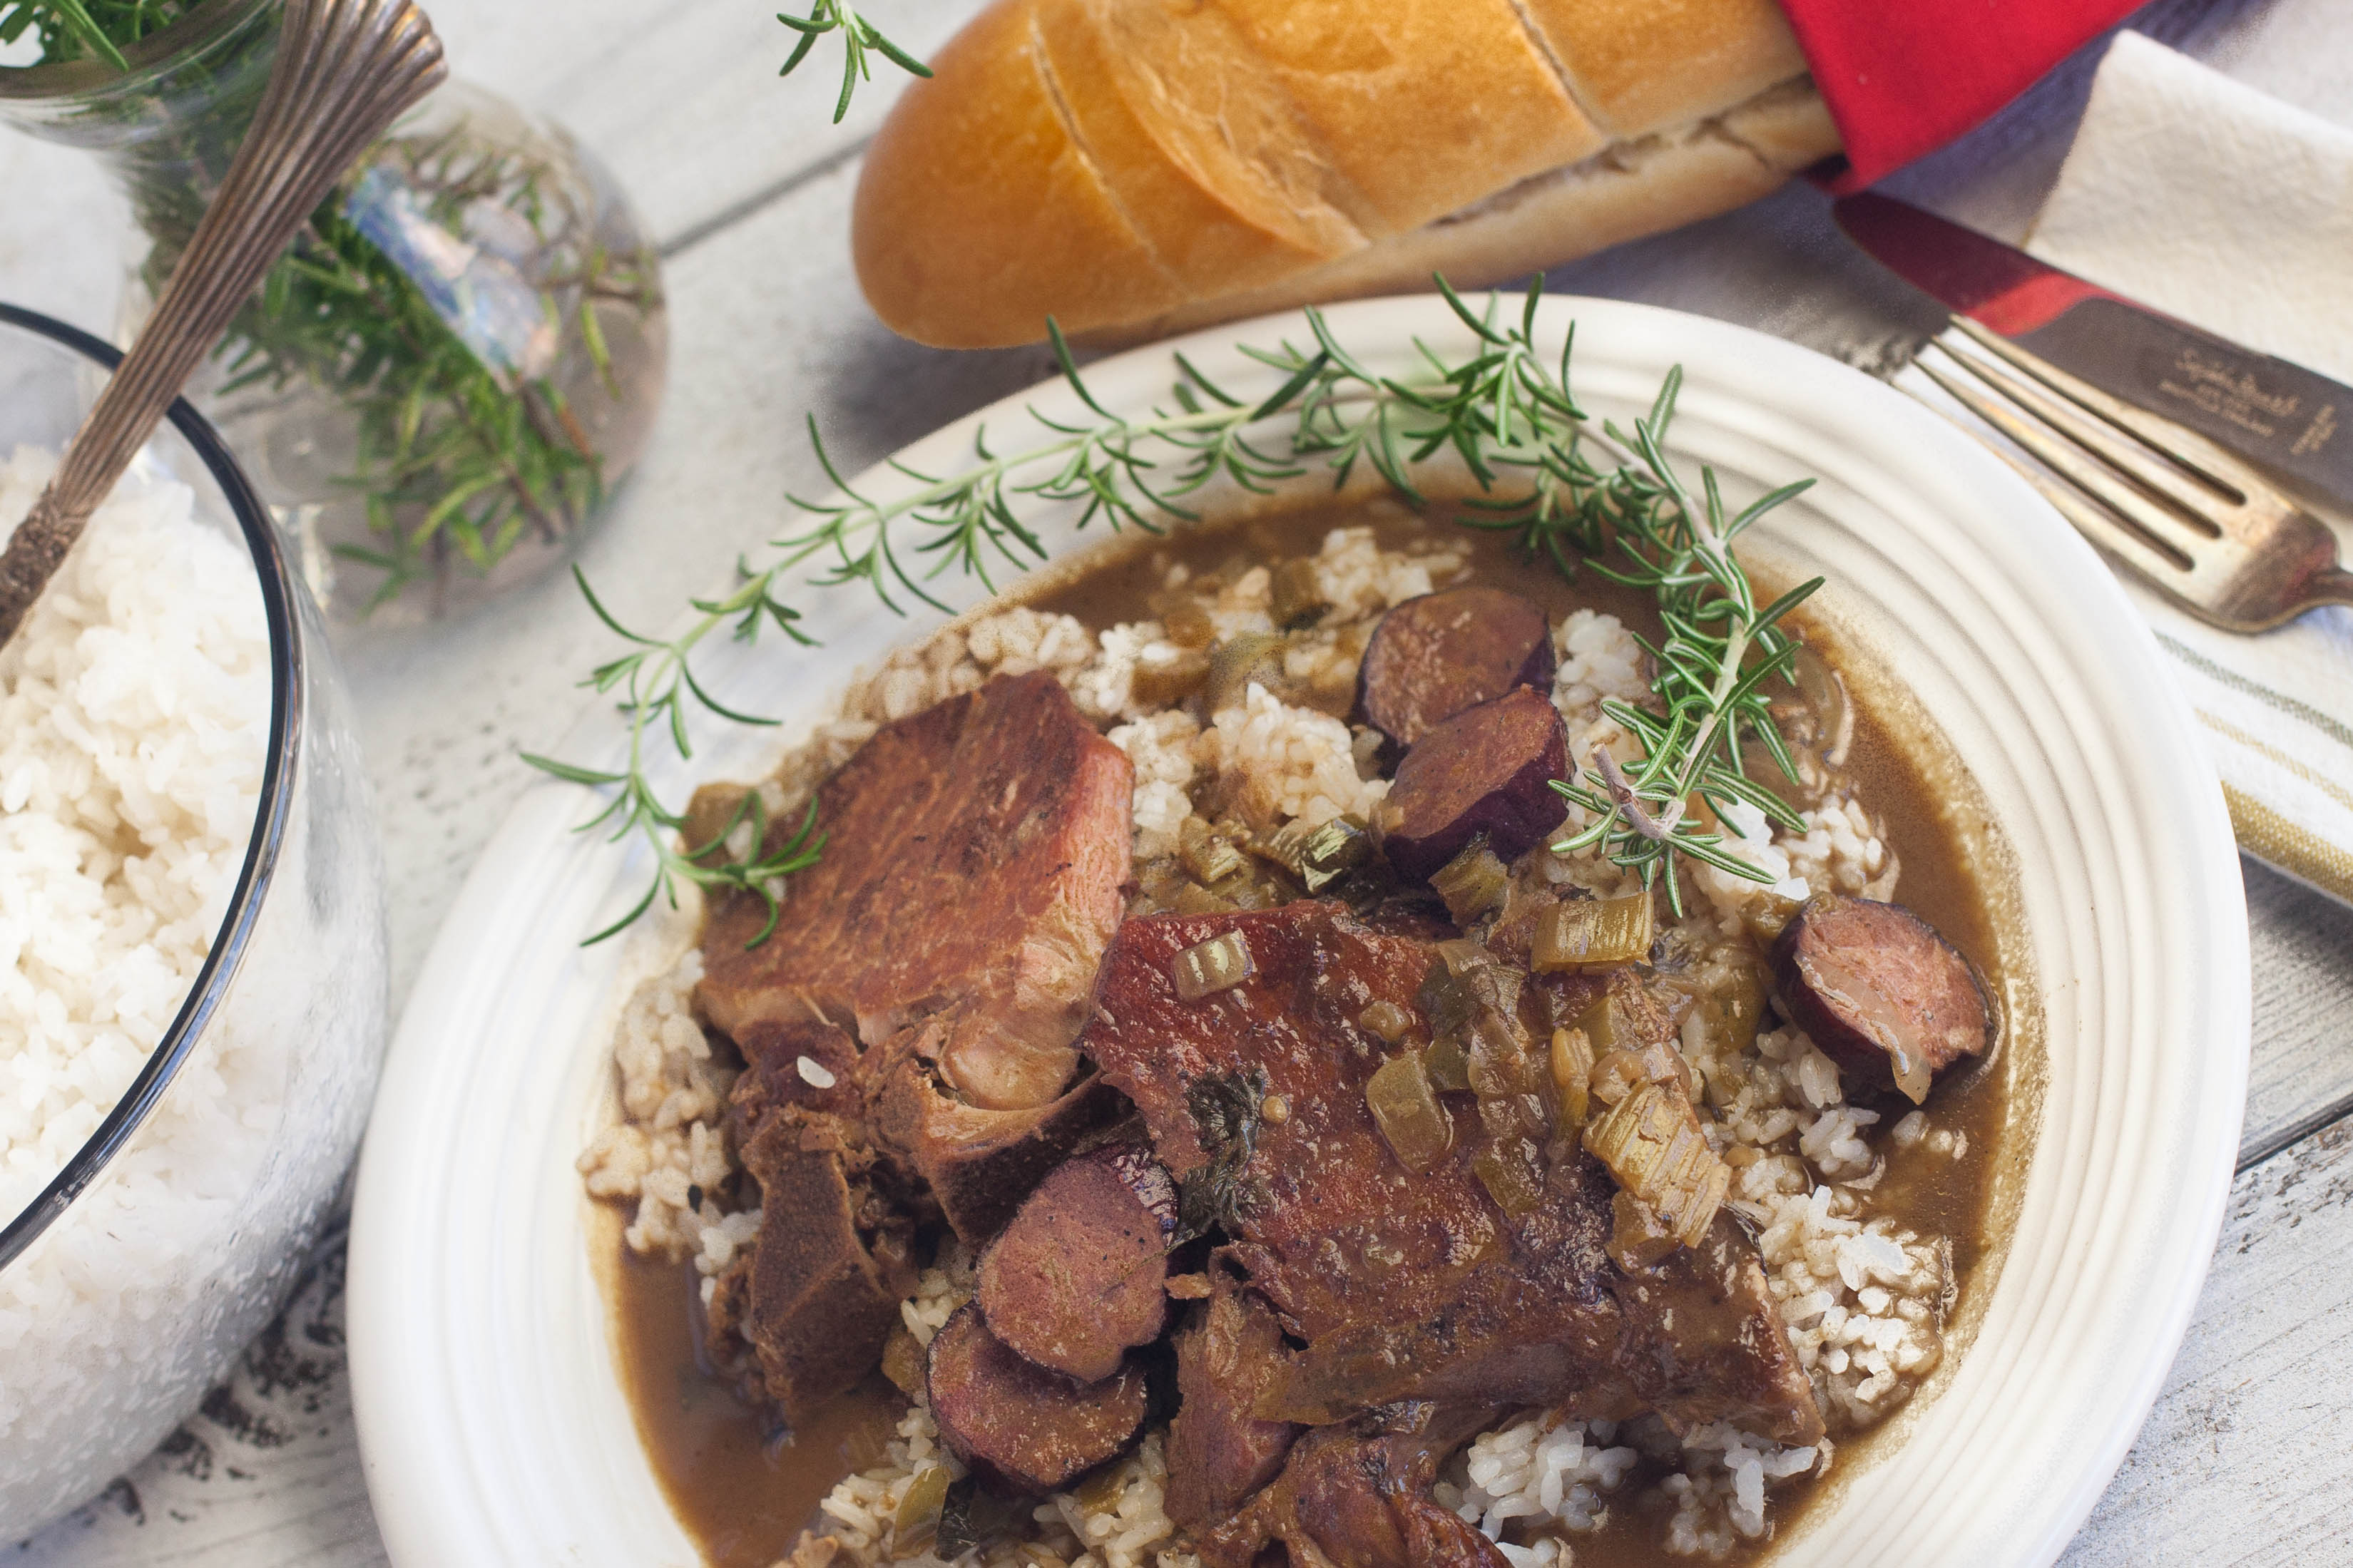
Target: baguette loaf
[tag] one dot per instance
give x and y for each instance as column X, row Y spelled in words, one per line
column 1135, row 166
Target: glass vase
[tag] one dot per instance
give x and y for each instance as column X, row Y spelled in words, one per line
column 460, row 359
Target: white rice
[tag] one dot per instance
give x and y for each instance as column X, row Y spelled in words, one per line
column 134, row 718
column 1277, row 763
column 1541, row 1468
column 1162, row 748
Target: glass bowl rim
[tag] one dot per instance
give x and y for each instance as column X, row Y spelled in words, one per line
column 258, row 872
column 148, row 55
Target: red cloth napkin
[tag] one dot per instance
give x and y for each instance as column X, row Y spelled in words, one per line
column 1903, row 76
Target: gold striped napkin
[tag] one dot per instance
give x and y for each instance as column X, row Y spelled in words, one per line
column 2218, row 203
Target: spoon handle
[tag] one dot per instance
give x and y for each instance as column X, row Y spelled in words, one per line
column 345, row 71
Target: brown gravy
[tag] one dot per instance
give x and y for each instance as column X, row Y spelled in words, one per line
column 744, row 1496
column 744, row 1493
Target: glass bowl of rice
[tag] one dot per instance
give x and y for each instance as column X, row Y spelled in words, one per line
column 192, row 941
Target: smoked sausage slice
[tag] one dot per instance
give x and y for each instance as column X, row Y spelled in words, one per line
column 1880, row 992
column 1019, row 1427
column 1080, row 1274
column 1433, row 657
column 1487, row 770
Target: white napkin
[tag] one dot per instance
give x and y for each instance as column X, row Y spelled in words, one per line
column 2218, row 203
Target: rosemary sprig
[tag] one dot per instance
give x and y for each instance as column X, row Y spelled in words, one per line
column 456, row 456
column 1719, row 652
column 451, row 462
column 1505, row 411
column 654, row 679
column 857, row 36
column 87, row 30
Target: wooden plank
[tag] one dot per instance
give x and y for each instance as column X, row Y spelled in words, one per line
column 2302, row 1075
column 683, row 101
column 2244, row 1459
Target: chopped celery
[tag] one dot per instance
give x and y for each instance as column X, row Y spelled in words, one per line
column 1472, row 883
column 1654, row 1148
column 1594, row 933
column 1298, row 598
column 1218, row 964
column 1417, row 1127
column 1572, row 1075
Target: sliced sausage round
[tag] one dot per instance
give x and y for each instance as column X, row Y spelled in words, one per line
column 1488, row 770
column 1019, row 1427
column 1880, row 992
column 1433, row 657
column 1080, row 1274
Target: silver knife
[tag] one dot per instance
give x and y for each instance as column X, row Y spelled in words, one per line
column 2277, row 413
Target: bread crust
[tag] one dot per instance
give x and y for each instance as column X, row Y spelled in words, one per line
column 1640, row 66
column 978, row 215
column 1128, row 166
column 1355, row 74
column 1659, row 183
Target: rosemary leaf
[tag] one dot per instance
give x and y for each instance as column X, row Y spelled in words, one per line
column 857, row 35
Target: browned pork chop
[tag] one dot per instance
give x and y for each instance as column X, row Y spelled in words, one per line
column 976, row 1165
column 819, row 1293
column 1228, row 1356
column 1358, row 1496
column 973, row 863
column 1410, row 1286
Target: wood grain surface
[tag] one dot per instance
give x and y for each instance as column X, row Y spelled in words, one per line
column 2244, row 1459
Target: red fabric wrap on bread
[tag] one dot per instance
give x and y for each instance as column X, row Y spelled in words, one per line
column 1904, row 77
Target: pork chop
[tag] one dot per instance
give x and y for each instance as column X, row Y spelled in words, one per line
column 974, row 859
column 1408, row 1284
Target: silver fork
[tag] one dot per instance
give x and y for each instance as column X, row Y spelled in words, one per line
column 2192, row 520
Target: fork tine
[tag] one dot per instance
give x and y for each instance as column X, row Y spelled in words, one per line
column 2200, row 495
column 2172, row 503
column 2166, row 531
column 2160, row 567
column 2191, row 452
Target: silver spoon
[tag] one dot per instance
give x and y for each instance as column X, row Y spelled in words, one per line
column 345, row 71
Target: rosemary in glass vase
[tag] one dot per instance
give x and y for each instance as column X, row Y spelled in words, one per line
column 461, row 356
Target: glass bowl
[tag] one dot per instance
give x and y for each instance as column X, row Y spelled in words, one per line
column 172, row 1232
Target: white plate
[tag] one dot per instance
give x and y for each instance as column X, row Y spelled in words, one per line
column 490, row 1412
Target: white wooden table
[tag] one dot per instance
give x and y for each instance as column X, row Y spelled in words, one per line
column 2245, row 1459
